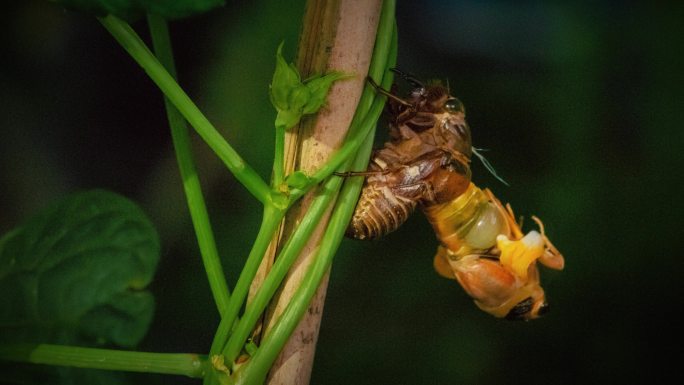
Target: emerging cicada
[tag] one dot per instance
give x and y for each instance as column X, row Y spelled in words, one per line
column 483, row 247
column 426, row 163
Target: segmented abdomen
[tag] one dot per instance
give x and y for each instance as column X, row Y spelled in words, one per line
column 379, row 211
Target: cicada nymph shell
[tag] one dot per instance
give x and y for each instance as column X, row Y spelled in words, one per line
column 425, row 161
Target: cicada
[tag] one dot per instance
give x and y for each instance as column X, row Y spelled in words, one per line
column 483, row 247
column 426, row 164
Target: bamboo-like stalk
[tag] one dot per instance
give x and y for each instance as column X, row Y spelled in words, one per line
column 337, row 35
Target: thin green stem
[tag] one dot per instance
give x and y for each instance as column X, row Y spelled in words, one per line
column 255, row 370
column 185, row 364
column 135, row 47
column 362, row 122
column 283, row 262
column 368, row 111
column 191, row 184
column 269, row 224
column 278, row 170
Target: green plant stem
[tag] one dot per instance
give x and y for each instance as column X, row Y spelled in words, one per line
column 278, row 169
column 255, row 370
column 270, row 222
column 135, row 47
column 368, row 111
column 283, row 262
column 191, row 184
column 359, row 132
column 185, row 364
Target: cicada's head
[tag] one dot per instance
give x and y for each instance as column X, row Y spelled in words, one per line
column 450, row 116
column 529, row 308
column 432, row 106
column 454, row 128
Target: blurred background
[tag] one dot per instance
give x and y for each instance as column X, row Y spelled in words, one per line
column 580, row 105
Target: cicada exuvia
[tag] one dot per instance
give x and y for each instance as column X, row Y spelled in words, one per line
column 426, row 160
column 426, row 164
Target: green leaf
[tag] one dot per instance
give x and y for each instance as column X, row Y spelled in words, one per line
column 293, row 98
column 286, row 80
column 287, row 119
column 318, row 88
column 132, row 9
column 75, row 273
column 297, row 180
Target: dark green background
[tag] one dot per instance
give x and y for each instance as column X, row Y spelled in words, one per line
column 581, row 108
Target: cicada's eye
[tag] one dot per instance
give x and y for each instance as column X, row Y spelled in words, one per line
column 521, row 310
column 454, row 105
column 541, row 309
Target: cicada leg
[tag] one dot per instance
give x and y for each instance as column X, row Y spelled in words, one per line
column 388, row 94
column 348, row 174
column 441, row 263
column 386, row 171
column 417, row 190
column 552, row 258
column 410, row 79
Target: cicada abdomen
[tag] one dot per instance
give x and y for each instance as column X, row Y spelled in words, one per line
column 391, row 194
column 483, row 247
column 426, row 161
column 381, row 209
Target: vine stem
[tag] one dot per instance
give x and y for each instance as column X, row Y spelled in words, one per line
column 337, row 36
column 185, row 364
column 278, row 170
column 361, row 130
column 255, row 369
column 191, row 184
column 324, row 196
column 282, row 264
column 269, row 224
column 136, row 48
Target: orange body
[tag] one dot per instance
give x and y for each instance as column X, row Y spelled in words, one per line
column 483, row 248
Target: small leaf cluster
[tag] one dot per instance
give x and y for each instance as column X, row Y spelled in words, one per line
column 294, row 98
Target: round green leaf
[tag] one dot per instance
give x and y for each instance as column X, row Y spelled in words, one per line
column 318, row 88
column 75, row 273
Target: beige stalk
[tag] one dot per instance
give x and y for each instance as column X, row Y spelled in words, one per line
column 337, row 35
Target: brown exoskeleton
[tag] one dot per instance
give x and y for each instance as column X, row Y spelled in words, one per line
column 426, row 160
column 426, row 163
